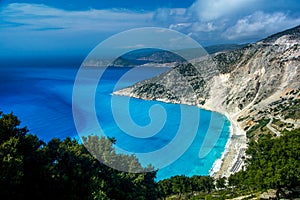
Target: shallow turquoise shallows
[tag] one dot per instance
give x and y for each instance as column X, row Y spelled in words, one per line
column 42, row 99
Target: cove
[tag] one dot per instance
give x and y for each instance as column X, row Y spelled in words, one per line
column 42, row 99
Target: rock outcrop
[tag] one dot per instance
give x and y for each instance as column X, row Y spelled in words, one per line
column 257, row 87
column 250, row 83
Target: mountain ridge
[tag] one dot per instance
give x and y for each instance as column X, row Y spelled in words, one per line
column 158, row 57
column 253, row 86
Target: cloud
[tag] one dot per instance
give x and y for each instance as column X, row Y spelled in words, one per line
column 179, row 26
column 37, row 29
column 208, row 10
column 39, row 17
column 206, row 16
column 260, row 24
column 137, row 46
column 207, row 21
column 227, row 21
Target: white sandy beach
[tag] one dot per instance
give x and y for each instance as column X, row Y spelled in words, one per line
column 231, row 160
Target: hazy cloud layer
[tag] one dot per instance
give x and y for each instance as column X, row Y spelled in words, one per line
column 42, row 16
column 37, row 27
column 29, row 29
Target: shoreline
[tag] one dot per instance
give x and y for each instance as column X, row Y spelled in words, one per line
column 217, row 165
column 230, row 160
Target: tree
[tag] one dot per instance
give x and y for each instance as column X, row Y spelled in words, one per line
column 165, row 188
column 221, row 183
column 9, row 127
column 202, row 183
column 124, row 185
column 273, row 163
column 183, row 185
column 64, row 169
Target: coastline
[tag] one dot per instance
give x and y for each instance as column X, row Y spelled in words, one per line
column 231, row 158
column 218, row 164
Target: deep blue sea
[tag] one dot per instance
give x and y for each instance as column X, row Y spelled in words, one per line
column 42, row 99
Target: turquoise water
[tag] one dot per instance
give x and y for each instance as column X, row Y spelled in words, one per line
column 42, row 99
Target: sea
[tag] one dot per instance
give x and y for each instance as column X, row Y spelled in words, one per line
column 182, row 139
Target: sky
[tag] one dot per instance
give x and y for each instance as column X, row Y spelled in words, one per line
column 62, row 30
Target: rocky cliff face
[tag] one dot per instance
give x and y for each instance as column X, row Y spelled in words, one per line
column 256, row 82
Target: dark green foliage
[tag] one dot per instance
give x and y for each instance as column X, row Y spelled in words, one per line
column 32, row 169
column 8, row 127
column 273, row 163
column 63, row 169
column 179, row 185
column 287, row 107
column 221, row 183
column 154, row 91
column 242, row 118
column 192, row 75
column 226, row 62
column 292, row 110
column 258, row 127
column 117, row 184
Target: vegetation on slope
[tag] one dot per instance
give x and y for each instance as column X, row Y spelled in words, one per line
column 64, row 169
column 271, row 163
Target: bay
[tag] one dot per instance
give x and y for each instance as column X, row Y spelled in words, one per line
column 42, row 99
